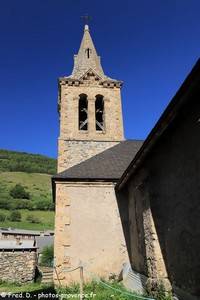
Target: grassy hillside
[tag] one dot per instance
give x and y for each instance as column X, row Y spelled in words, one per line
column 46, row 220
column 38, row 185
column 12, row 161
column 17, row 168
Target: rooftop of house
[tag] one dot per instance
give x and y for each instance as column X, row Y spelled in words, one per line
column 16, row 244
column 16, row 231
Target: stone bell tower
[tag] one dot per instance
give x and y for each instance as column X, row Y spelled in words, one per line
column 89, row 107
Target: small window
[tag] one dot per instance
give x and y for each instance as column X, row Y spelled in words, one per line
column 99, row 113
column 83, row 112
column 88, row 51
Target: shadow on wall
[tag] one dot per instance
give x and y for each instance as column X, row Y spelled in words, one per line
column 173, row 192
column 132, row 223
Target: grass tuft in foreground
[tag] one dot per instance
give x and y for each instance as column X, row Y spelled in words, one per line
column 101, row 291
column 15, row 287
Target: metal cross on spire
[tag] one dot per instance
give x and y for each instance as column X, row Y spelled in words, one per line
column 86, row 18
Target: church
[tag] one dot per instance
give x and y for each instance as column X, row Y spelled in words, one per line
column 92, row 156
column 126, row 201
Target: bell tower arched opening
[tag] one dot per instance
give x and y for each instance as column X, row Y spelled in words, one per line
column 83, row 112
column 99, row 113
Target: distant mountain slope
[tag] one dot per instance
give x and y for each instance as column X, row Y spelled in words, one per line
column 38, row 185
column 13, row 161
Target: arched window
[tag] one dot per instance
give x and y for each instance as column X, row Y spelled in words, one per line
column 83, row 112
column 99, row 113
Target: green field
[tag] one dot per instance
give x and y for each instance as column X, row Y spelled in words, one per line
column 46, row 218
column 17, row 168
column 38, row 185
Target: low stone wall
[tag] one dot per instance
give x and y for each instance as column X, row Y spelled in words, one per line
column 17, row 266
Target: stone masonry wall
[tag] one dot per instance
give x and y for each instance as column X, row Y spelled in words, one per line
column 69, row 102
column 17, row 266
column 76, row 145
column 74, row 152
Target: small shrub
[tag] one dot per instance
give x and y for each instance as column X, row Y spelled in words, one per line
column 33, row 219
column 18, row 192
column 6, row 203
column 2, row 217
column 15, row 216
column 21, row 204
column 30, row 205
column 47, row 256
column 42, row 204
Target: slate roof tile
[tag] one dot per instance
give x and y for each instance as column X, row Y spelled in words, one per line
column 107, row 165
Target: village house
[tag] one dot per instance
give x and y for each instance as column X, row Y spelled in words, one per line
column 41, row 239
column 12, row 233
column 21, row 253
column 18, row 260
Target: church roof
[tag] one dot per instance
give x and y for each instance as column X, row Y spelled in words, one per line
column 108, row 165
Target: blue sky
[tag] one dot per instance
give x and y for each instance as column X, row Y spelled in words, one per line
column 150, row 45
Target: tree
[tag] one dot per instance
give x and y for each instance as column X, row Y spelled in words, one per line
column 15, row 216
column 47, row 256
column 33, row 219
column 18, row 192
